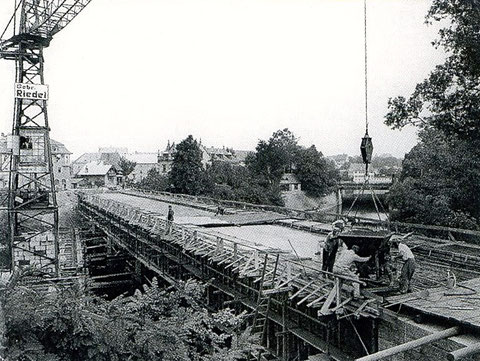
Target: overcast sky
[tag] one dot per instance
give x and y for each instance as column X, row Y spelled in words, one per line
column 136, row 73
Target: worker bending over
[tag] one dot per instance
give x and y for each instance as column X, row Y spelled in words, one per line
column 408, row 268
column 330, row 246
column 346, row 266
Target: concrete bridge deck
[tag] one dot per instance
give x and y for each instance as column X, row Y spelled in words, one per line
column 304, row 301
column 460, row 305
column 295, row 235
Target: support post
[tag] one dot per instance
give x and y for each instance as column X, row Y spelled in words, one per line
column 339, row 200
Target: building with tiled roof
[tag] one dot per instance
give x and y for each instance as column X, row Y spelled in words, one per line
column 107, row 158
column 99, row 174
column 61, row 167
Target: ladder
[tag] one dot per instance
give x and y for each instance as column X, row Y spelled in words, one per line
column 262, row 310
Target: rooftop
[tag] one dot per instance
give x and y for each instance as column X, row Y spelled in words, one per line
column 95, row 168
column 289, row 178
column 142, row 158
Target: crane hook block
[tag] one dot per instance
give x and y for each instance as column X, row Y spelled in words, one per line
column 367, row 149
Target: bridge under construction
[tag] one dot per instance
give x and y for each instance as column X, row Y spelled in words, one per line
column 297, row 311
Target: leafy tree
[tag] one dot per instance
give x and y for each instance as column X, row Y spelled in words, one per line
column 439, row 181
column 155, row 324
column 226, row 181
column 316, row 174
column 127, row 166
column 281, row 154
column 154, row 181
column 438, row 184
column 258, row 182
column 187, row 174
column 274, row 157
column 449, row 99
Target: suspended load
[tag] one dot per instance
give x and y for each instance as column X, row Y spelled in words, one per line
column 367, row 149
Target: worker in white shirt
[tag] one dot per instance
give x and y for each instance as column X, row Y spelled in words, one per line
column 408, row 268
column 345, row 265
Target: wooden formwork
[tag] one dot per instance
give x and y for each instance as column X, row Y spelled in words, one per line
column 308, row 306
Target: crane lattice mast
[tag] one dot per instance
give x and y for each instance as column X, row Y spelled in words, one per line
column 31, row 200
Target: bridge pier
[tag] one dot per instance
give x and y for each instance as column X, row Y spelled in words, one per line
column 339, row 200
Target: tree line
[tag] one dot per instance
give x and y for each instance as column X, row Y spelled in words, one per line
column 440, row 180
column 258, row 181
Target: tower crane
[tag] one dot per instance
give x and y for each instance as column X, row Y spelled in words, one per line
column 31, row 199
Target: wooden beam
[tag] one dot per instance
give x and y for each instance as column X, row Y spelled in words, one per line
column 300, row 291
column 464, row 352
column 326, row 305
column 411, row 345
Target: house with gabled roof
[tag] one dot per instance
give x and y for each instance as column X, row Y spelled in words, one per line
column 99, row 174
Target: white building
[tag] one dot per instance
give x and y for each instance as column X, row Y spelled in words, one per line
column 62, row 169
column 289, row 182
column 144, row 163
column 356, row 172
column 98, row 174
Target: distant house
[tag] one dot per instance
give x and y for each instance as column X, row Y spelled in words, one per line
column 107, row 155
column 289, row 182
column 61, row 167
column 356, row 173
column 228, row 155
column 221, row 154
column 165, row 158
column 144, row 163
column 240, row 157
column 209, row 155
column 98, row 174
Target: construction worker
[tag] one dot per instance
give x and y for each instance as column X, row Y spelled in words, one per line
column 330, row 246
column 170, row 214
column 346, row 266
column 408, row 268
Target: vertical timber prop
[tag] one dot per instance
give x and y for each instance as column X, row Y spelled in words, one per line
column 32, row 204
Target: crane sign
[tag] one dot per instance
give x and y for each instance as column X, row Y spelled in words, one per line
column 31, row 199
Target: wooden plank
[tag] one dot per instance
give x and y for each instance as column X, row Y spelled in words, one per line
column 314, row 292
column 464, row 352
column 300, row 290
column 381, row 355
column 325, row 310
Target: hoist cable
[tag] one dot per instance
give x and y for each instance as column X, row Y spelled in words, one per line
column 366, row 72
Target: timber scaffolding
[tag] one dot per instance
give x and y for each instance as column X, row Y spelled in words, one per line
column 296, row 310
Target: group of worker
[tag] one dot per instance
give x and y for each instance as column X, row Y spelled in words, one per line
column 337, row 258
